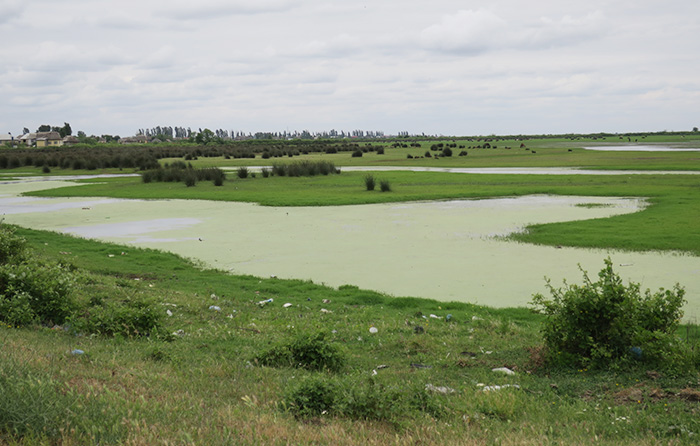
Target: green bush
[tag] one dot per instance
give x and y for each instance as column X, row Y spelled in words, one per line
column 312, row 397
column 385, row 186
column 242, row 172
column 370, row 182
column 309, row 351
column 12, row 247
column 33, row 292
column 599, row 323
column 129, row 318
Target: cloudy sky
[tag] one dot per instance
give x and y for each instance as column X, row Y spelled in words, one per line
column 439, row 67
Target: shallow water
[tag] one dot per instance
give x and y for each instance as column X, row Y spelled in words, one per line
column 518, row 170
column 642, row 148
column 444, row 250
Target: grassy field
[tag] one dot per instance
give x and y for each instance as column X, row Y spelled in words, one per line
column 669, row 223
column 548, row 153
column 203, row 384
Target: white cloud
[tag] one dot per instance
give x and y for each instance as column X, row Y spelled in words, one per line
column 497, row 67
column 466, row 32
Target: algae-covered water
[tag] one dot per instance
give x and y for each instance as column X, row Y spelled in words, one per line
column 445, row 250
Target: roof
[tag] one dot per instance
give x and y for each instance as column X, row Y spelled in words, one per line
column 49, row 135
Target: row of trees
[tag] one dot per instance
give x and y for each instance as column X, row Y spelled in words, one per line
column 165, row 133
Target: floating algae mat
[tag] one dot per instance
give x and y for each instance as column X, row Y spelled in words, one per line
column 445, row 250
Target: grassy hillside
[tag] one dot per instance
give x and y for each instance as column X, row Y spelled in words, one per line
column 199, row 379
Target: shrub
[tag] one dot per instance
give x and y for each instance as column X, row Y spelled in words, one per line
column 242, row 172
column 265, row 172
column 35, row 292
column 380, row 150
column 385, row 186
column 446, row 151
column 370, row 183
column 313, row 396
column 12, row 247
column 308, row 351
column 190, row 179
column 129, row 318
column 601, row 322
column 357, row 153
column 304, row 168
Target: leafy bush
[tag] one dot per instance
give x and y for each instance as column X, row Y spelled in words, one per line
column 308, row 351
column 358, row 398
column 370, row 183
column 313, row 396
column 242, row 172
column 385, row 186
column 357, row 153
column 601, row 322
column 32, row 292
column 129, row 318
column 12, row 247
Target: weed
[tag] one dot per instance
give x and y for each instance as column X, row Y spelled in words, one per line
column 385, row 186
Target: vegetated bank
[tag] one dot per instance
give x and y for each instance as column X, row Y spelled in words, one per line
column 242, row 360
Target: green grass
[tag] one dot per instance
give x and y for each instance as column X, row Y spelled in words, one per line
column 669, row 223
column 205, row 388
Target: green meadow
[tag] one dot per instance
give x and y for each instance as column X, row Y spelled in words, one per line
column 160, row 350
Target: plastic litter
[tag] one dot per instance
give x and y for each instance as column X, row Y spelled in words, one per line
column 215, row 308
column 287, row 305
column 435, row 316
column 505, row 370
column 263, row 302
column 439, row 389
column 636, row 352
column 373, row 330
column 448, row 317
column 505, row 386
column 324, row 311
column 418, row 329
column 77, row 352
column 169, row 313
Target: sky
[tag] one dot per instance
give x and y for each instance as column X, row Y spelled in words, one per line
column 439, row 67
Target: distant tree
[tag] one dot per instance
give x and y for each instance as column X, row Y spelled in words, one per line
column 65, row 130
column 44, row 128
column 204, row 137
column 695, row 129
column 25, row 131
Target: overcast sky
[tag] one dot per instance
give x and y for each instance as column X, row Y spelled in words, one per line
column 439, row 67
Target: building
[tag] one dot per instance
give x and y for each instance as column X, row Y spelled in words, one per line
column 7, row 139
column 48, row 139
